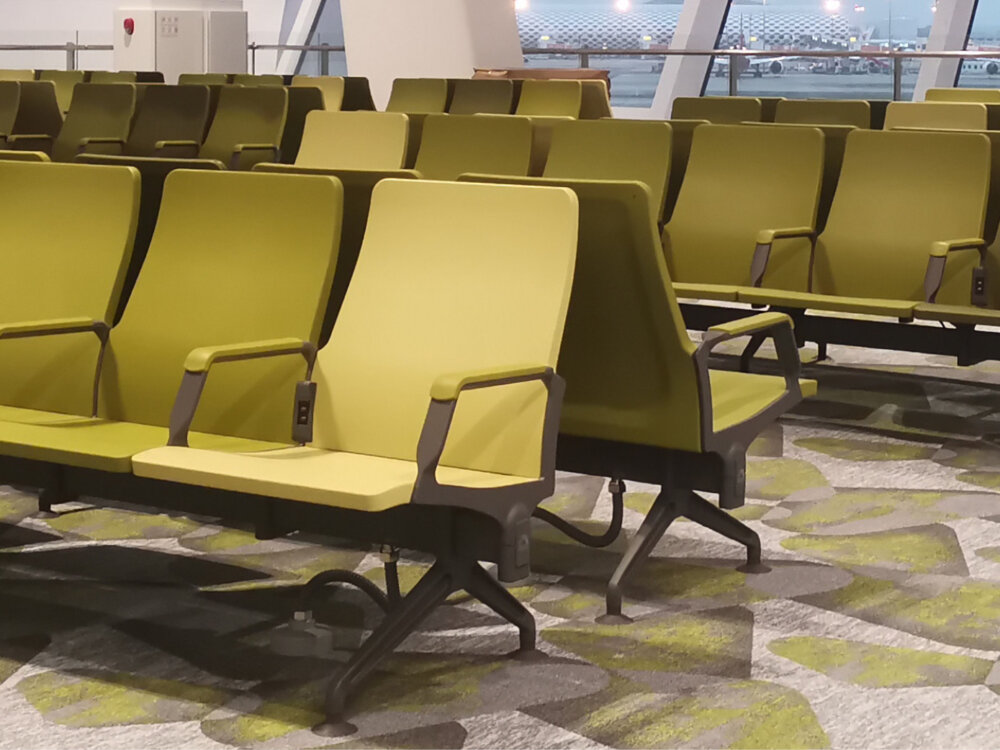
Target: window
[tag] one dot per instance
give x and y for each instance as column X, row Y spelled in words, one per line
column 983, row 73
column 328, row 29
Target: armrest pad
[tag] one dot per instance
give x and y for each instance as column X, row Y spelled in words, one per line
column 941, row 249
column 241, row 147
column 201, row 360
column 752, row 324
column 173, row 144
column 85, row 141
column 768, row 236
column 54, row 325
column 448, row 387
column 30, row 137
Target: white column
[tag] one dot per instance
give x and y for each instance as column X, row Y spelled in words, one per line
column 388, row 39
column 950, row 31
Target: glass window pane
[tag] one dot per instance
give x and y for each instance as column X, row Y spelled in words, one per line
column 983, row 73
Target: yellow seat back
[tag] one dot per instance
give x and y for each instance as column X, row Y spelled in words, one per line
column 251, row 80
column 66, row 234
column 951, row 115
column 596, row 102
column 10, row 100
column 492, row 144
column 984, row 96
column 550, row 98
column 235, row 257
column 418, row 95
column 17, row 75
column 890, row 207
column 245, row 115
column 476, row 96
column 718, row 109
column 354, row 140
column 38, row 111
column 613, row 150
column 680, row 152
column 99, row 110
column 435, row 294
column 203, row 79
column 65, row 81
column 857, row 113
column 741, row 180
column 106, row 76
column 331, row 86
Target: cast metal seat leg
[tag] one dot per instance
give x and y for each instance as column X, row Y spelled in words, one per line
column 427, row 595
column 492, row 593
column 701, row 511
column 664, row 511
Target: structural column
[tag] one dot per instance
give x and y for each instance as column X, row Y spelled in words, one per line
column 952, row 23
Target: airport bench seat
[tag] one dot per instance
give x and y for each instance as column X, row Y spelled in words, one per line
column 95, row 443
column 738, row 396
column 967, row 315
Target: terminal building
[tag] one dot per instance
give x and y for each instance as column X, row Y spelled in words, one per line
column 499, row 374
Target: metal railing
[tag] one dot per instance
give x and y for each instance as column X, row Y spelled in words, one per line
column 734, row 56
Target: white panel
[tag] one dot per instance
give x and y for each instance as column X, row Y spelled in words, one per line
column 138, row 50
column 227, row 42
column 388, row 39
column 180, row 43
column 952, row 22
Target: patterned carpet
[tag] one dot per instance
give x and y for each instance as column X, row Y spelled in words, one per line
column 877, row 627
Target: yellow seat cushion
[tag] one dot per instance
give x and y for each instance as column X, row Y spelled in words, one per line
column 90, row 443
column 720, row 292
column 967, row 314
column 860, row 305
column 310, row 475
column 739, row 396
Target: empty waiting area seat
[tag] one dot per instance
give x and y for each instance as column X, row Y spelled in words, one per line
column 856, row 113
column 353, row 140
column 10, row 100
column 984, row 96
column 38, row 110
column 332, row 87
column 106, row 76
column 418, row 96
column 718, row 109
column 436, row 402
column 482, row 96
column 16, row 75
column 65, row 81
column 249, row 79
column 204, row 79
column 550, row 98
column 761, row 185
column 455, row 144
column 950, row 115
column 100, row 114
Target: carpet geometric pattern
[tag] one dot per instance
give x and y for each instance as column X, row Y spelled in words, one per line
column 878, row 625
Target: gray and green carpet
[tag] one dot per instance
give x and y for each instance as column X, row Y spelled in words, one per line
column 878, row 625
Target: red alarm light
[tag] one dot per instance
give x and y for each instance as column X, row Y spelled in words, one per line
column 130, row 26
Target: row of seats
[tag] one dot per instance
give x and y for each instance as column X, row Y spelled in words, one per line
column 65, row 80
column 969, row 109
column 239, row 269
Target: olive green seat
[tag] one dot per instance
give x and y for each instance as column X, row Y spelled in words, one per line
column 641, row 402
column 353, row 140
column 38, row 110
column 680, row 152
column 99, row 117
column 35, row 156
column 595, row 102
column 203, row 79
column 167, row 113
column 874, row 256
column 361, row 149
column 248, row 79
column 357, row 94
column 856, row 113
column 984, row 96
column 105, row 76
column 418, row 96
column 633, row 150
column 952, row 115
column 66, row 235
column 240, row 263
column 724, row 110
column 302, row 100
column 65, row 81
column 333, row 88
column 17, row 75
column 10, row 101
column 455, row 144
column 441, row 314
column 550, row 98
column 745, row 186
column 482, row 96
